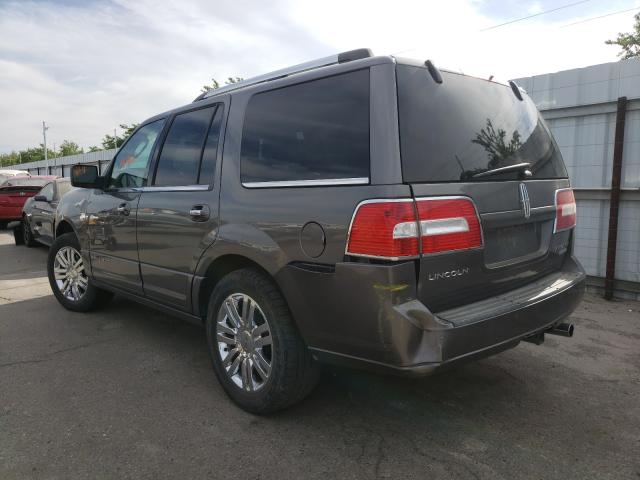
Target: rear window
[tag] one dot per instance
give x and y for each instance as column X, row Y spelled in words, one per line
column 318, row 130
column 26, row 182
column 453, row 131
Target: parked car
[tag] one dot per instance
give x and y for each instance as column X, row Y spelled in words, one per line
column 15, row 191
column 38, row 213
column 369, row 211
column 6, row 174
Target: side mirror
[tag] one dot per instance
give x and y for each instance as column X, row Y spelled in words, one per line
column 40, row 198
column 86, row 176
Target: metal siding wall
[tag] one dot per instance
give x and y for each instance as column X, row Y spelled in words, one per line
column 579, row 106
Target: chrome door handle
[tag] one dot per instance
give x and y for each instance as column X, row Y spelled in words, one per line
column 199, row 212
column 123, row 209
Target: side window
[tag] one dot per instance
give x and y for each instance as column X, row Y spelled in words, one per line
column 47, row 191
column 318, row 130
column 179, row 162
column 208, row 167
column 131, row 164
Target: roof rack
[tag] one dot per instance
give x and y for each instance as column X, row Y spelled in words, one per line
column 284, row 72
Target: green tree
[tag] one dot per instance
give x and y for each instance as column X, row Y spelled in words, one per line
column 629, row 42
column 111, row 141
column 215, row 84
column 68, row 147
column 94, row 149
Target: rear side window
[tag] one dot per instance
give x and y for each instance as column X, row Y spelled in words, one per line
column 318, row 130
column 179, row 162
column 465, row 126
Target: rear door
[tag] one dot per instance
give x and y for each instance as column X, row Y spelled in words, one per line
column 178, row 211
column 468, row 141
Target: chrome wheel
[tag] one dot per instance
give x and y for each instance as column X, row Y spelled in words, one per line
column 69, row 273
column 244, row 342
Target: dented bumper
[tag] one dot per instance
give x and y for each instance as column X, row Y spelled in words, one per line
column 368, row 316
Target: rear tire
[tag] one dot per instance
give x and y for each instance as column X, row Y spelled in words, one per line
column 264, row 340
column 69, row 279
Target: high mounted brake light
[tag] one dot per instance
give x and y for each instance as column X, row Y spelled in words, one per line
column 403, row 228
column 566, row 211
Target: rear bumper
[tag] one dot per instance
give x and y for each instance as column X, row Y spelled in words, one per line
column 366, row 316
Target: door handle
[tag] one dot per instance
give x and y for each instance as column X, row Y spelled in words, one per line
column 123, row 209
column 199, row 213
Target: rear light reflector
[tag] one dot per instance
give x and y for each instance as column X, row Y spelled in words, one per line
column 565, row 210
column 448, row 224
column 384, row 229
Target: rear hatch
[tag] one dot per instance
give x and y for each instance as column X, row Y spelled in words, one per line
column 14, row 192
column 482, row 145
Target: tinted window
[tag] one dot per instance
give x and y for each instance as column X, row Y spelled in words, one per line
column 131, row 163
column 47, row 191
column 208, row 166
column 466, row 126
column 311, row 131
column 179, row 161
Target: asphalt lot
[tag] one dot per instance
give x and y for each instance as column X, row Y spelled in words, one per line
column 129, row 392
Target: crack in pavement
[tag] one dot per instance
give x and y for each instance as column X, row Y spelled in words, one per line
column 49, row 356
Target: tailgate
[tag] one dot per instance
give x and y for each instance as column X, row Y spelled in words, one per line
column 485, row 143
column 516, row 250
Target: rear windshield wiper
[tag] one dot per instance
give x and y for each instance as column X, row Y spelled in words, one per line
column 496, row 171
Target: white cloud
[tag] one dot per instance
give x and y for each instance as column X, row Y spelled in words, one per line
column 86, row 67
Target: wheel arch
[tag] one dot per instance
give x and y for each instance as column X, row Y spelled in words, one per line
column 216, row 271
column 62, row 227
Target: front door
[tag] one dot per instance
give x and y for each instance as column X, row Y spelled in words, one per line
column 178, row 211
column 42, row 213
column 112, row 213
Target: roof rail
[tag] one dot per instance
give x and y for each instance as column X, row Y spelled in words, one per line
column 284, row 72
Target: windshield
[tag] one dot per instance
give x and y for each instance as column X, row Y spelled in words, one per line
column 465, row 126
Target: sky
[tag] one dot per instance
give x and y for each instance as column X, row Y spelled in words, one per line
column 86, row 66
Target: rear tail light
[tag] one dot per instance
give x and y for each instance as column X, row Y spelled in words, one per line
column 565, row 210
column 394, row 229
column 384, row 229
column 448, row 223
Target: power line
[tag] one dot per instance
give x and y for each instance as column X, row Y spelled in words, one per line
column 600, row 16
column 535, row 15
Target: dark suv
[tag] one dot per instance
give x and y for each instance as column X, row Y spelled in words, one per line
column 369, row 211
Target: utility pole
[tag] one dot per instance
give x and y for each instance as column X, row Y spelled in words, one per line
column 44, row 135
column 115, row 139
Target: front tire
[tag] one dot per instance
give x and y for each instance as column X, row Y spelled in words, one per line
column 69, row 279
column 257, row 353
column 27, row 234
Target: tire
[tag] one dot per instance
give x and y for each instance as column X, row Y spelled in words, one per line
column 27, row 234
column 293, row 372
column 18, row 235
column 90, row 296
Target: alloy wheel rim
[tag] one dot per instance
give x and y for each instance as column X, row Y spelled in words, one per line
column 244, row 342
column 69, row 273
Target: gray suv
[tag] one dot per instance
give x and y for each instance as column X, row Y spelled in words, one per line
column 367, row 211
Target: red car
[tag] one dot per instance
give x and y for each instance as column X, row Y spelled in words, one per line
column 15, row 191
